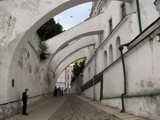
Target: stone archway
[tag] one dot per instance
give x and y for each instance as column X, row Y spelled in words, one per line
column 76, row 56
column 69, row 50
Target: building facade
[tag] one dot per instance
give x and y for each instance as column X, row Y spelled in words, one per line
column 120, row 44
column 125, row 66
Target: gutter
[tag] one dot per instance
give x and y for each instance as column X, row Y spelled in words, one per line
column 124, row 74
column 139, row 16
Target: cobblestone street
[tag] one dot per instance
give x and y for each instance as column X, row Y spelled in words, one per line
column 76, row 109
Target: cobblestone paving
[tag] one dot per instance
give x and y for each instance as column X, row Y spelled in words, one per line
column 76, row 109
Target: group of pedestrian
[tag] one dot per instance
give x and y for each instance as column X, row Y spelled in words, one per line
column 58, row 91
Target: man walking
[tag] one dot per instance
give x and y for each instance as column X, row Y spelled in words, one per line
column 24, row 99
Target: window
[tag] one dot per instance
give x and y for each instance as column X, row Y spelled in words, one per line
column 89, row 73
column 110, row 25
column 111, row 54
column 12, row 82
column 105, row 59
column 100, row 39
column 123, row 9
column 118, row 43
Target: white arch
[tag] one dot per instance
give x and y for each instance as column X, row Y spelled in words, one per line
column 58, row 42
column 14, row 57
column 110, row 53
column 12, row 54
column 65, row 52
column 118, row 43
column 76, row 56
column 87, row 28
column 35, row 12
column 105, row 59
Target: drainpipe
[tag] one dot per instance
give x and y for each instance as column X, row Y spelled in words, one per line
column 139, row 16
column 124, row 74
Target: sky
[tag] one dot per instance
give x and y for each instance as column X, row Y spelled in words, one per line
column 74, row 15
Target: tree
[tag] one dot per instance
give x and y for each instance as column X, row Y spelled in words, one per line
column 43, row 52
column 46, row 31
column 49, row 30
column 77, row 69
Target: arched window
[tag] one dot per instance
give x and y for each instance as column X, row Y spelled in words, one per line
column 89, row 73
column 105, row 59
column 110, row 54
column 118, row 43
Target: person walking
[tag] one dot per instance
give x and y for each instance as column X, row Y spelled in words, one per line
column 62, row 91
column 55, row 91
column 24, row 100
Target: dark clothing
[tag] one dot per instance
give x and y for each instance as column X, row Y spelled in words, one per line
column 24, row 108
column 24, row 99
column 55, row 92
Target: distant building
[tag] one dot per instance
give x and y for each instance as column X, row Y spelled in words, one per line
column 64, row 80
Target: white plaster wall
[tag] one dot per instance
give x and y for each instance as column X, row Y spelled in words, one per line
column 97, row 91
column 113, row 80
column 89, row 53
column 147, row 107
column 148, row 12
column 116, row 103
column 28, row 74
column 4, row 62
column 89, row 74
column 100, row 65
column 142, row 67
column 116, row 14
column 126, row 31
column 88, row 93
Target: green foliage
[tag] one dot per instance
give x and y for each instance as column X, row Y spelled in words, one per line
column 49, row 30
column 46, row 31
column 44, row 54
column 43, row 46
column 77, row 69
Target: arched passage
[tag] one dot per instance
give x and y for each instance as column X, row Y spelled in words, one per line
column 65, row 52
column 105, row 59
column 14, row 57
column 25, row 35
column 76, row 56
column 118, row 43
column 110, row 54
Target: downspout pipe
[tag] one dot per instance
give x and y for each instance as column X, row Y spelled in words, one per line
column 124, row 74
column 139, row 16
